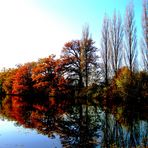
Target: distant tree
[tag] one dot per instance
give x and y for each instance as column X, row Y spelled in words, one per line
column 7, row 78
column 80, row 59
column 105, row 50
column 43, row 75
column 48, row 80
column 130, row 38
column 106, row 59
column 121, row 81
column 71, row 62
column 23, row 83
column 60, row 87
column 116, row 37
column 131, row 96
column 144, row 40
column 88, row 56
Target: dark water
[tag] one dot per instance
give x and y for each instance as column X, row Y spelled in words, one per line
column 27, row 125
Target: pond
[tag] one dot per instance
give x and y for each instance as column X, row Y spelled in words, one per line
column 16, row 136
column 27, row 125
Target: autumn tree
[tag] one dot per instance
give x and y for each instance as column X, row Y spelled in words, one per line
column 7, row 78
column 60, row 88
column 116, row 37
column 88, row 56
column 2, row 80
column 105, row 50
column 23, row 83
column 43, row 74
column 132, row 96
column 80, row 59
column 130, row 38
column 144, row 40
column 71, row 62
column 48, row 80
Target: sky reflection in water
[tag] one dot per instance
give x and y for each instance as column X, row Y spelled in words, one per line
column 74, row 126
column 12, row 136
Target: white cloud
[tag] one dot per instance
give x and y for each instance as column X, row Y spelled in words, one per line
column 28, row 33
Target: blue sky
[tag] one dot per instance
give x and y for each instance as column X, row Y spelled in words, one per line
column 76, row 13
column 32, row 29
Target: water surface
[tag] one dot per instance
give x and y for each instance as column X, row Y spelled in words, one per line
column 27, row 125
column 14, row 136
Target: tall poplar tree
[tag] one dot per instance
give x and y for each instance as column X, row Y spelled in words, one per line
column 144, row 40
column 130, row 38
column 116, row 42
column 105, row 50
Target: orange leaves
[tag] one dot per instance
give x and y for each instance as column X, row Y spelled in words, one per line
column 7, row 78
column 40, row 108
column 22, row 81
column 43, row 79
column 43, row 74
column 47, row 76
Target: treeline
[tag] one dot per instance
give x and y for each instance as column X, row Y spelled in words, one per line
column 111, row 75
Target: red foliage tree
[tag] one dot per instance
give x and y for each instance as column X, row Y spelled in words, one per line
column 22, row 80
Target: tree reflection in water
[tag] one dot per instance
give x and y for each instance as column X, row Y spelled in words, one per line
column 79, row 125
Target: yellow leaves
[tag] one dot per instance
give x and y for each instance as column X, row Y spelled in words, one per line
column 122, row 78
